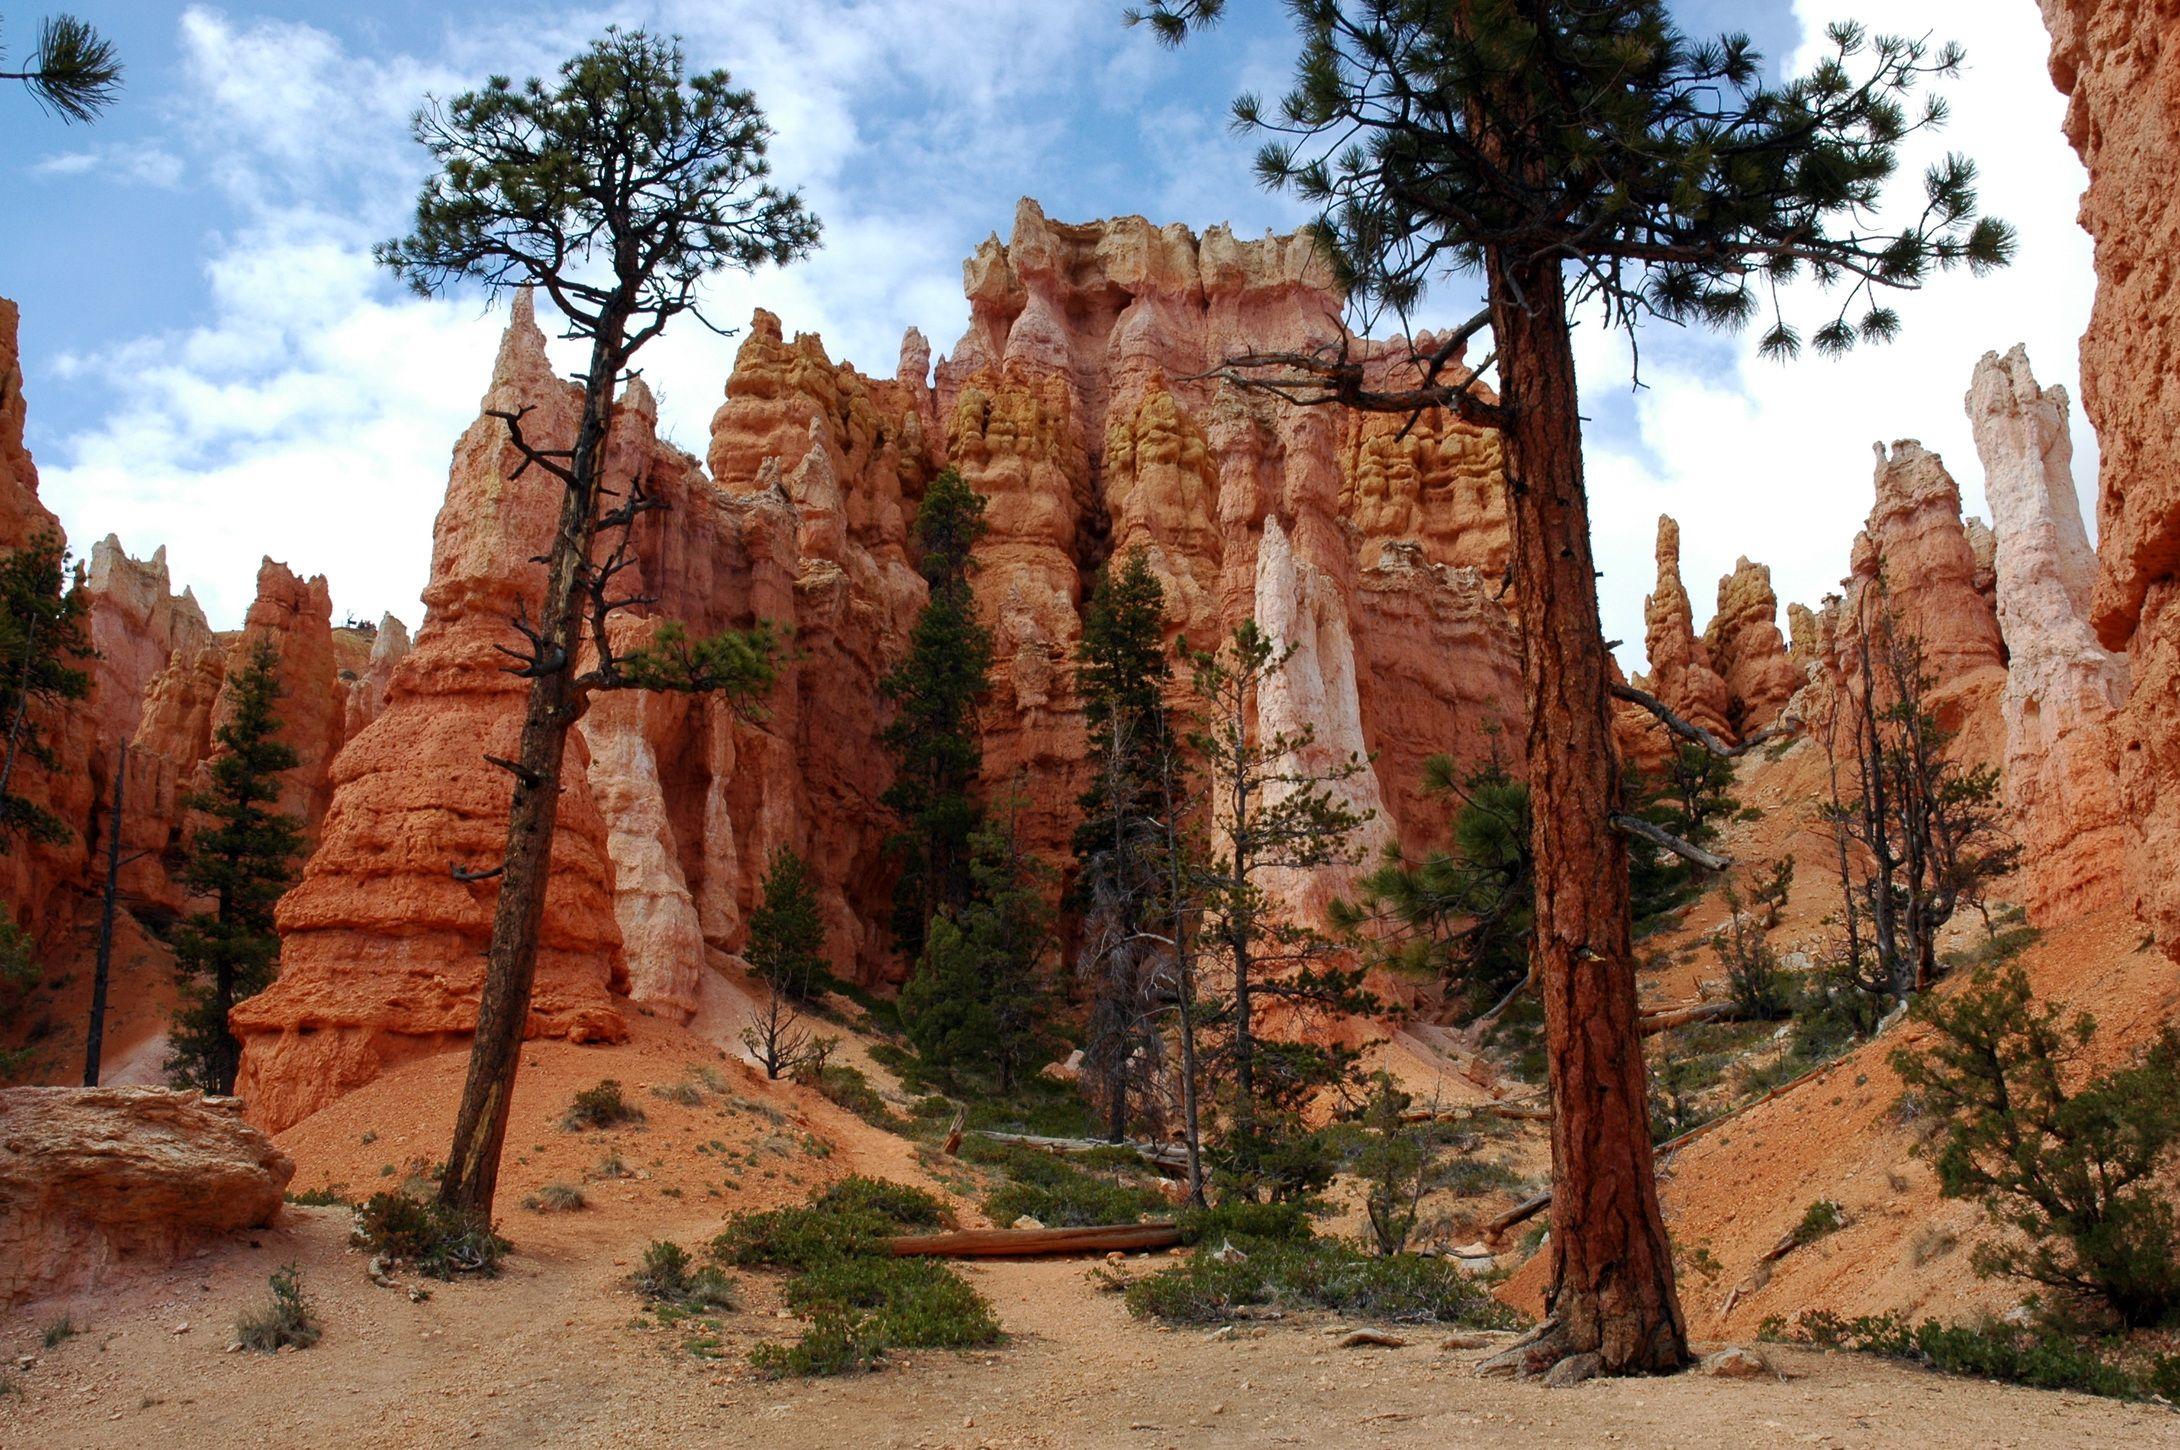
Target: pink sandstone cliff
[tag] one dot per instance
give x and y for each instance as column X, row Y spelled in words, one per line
column 2117, row 61
column 2062, row 686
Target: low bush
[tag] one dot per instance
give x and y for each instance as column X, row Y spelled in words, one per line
column 1241, row 1219
column 555, row 1198
column 437, row 1240
column 58, row 1332
column 849, row 1088
column 1058, row 1194
column 897, row 1203
column 2040, row 1354
column 320, row 1198
column 286, row 1322
column 1314, row 1273
column 600, row 1107
column 857, row 1299
column 670, row 1276
column 2075, row 1173
column 1819, row 1219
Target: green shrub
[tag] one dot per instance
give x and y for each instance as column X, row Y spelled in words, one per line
column 1242, row 1220
column 896, row 1203
column 2040, row 1354
column 859, row 1301
column 58, row 1332
column 320, row 1198
column 600, row 1107
column 438, row 1240
column 2073, row 1173
column 1819, row 1219
column 799, row 1238
column 555, row 1198
column 848, row 1087
column 1313, row 1274
column 835, row 1343
column 901, row 1303
column 284, row 1322
column 669, row 1276
column 1058, row 1194
column 685, row 1093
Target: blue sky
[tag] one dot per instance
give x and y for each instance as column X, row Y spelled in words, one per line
column 213, row 363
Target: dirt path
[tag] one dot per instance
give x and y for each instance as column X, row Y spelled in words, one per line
column 555, row 1353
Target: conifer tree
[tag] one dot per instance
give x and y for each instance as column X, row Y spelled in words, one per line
column 975, row 1000
column 1122, row 671
column 933, row 737
column 786, row 933
column 72, row 73
column 616, row 192
column 42, row 640
column 1586, row 156
column 240, row 857
column 1269, row 812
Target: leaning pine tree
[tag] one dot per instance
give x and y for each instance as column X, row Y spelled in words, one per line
column 616, row 191
column 241, row 858
column 1584, row 155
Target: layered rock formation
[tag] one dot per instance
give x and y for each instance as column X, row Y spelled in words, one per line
column 1746, row 648
column 380, row 944
column 1072, row 406
column 1681, row 673
column 297, row 618
column 92, row 1178
column 1913, row 559
column 2116, row 61
column 2062, row 686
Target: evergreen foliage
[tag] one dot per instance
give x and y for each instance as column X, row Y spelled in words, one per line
column 42, row 643
column 786, row 932
column 73, row 73
column 933, row 737
column 2070, row 1163
column 1122, row 885
column 975, row 1001
column 240, row 856
column 1276, row 810
column 1463, row 914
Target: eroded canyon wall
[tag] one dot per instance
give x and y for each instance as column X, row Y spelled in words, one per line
column 2118, row 61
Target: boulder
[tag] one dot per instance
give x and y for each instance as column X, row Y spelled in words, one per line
column 92, row 1178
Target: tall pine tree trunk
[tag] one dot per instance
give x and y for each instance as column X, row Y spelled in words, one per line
column 503, row 1009
column 94, row 1039
column 1612, row 1267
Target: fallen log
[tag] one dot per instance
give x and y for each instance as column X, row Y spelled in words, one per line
column 1469, row 1113
column 1665, row 1019
column 1023, row 1243
column 1161, row 1155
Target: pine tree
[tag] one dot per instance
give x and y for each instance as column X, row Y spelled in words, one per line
column 42, row 620
column 240, row 857
column 933, row 737
column 1270, row 812
column 786, row 933
column 72, row 73
column 1462, row 915
column 1120, row 886
column 41, row 639
column 1584, row 155
column 616, row 191
column 974, row 1003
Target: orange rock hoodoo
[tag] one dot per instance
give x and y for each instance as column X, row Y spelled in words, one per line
column 2115, row 59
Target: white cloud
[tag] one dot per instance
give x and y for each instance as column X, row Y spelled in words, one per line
column 140, row 163
column 311, row 413
column 1774, row 461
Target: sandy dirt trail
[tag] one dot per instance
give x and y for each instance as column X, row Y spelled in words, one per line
column 555, row 1353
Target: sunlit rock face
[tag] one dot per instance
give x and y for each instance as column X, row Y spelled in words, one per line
column 2116, row 62
column 1747, row 650
column 2062, row 686
column 1680, row 673
column 1076, row 405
